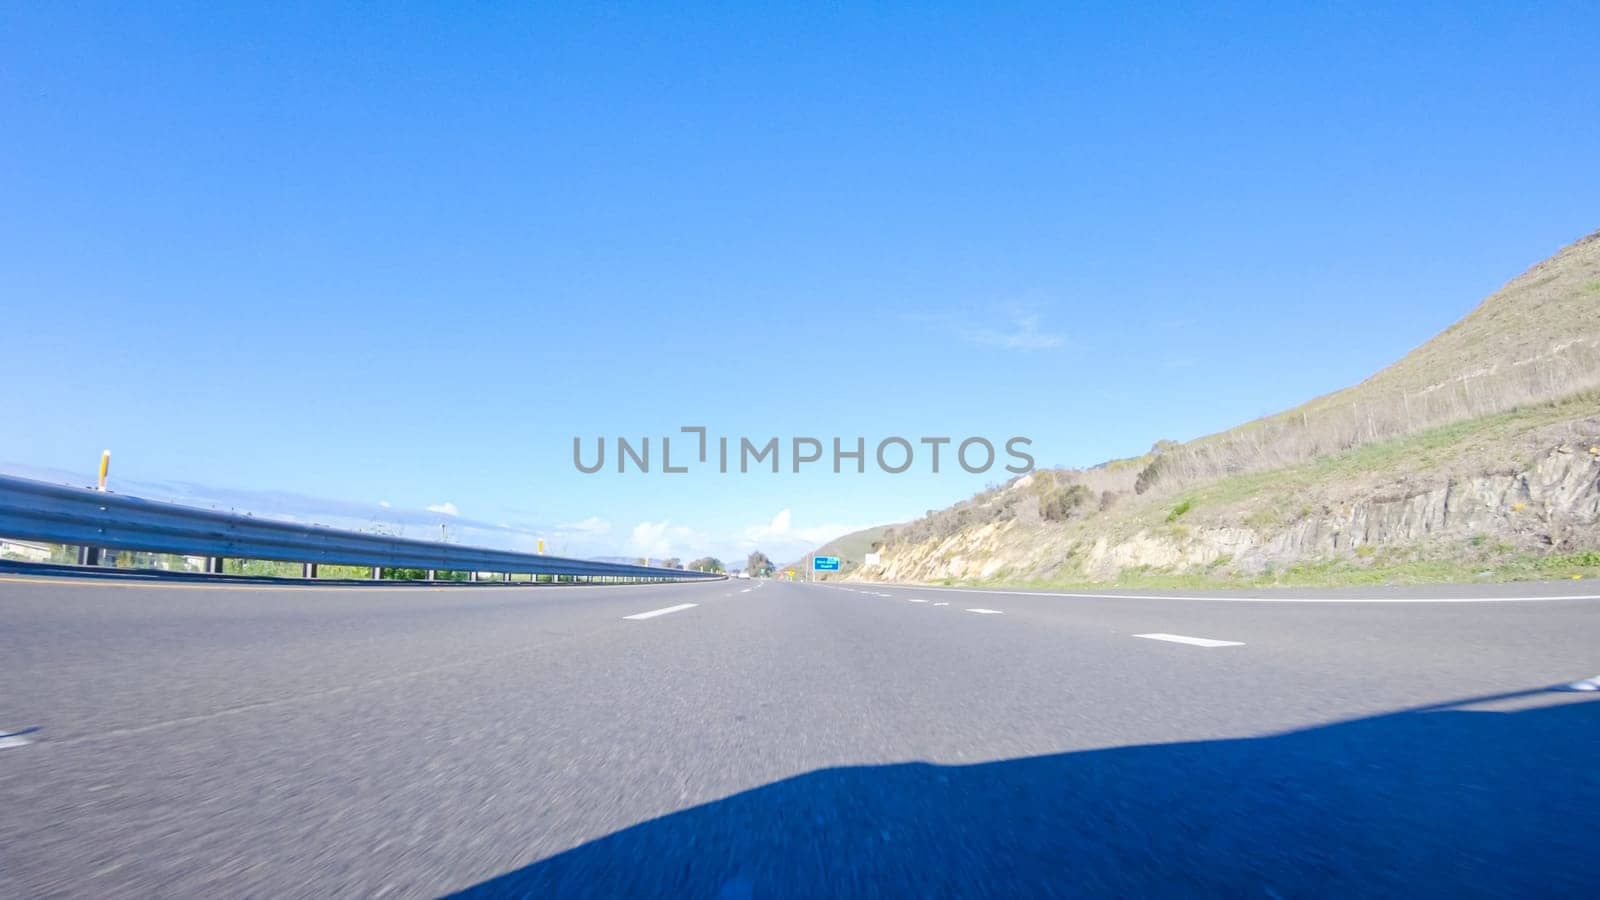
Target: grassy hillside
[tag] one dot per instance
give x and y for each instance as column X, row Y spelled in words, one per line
column 851, row 549
column 1477, row 455
column 1535, row 340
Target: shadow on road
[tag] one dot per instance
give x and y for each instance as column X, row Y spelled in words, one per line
column 1437, row 802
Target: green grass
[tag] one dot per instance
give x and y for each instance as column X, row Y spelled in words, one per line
column 1265, row 517
column 264, row 567
column 1274, row 492
column 1551, row 306
column 275, row 569
column 1130, row 462
column 851, row 548
column 1342, row 573
column 1273, row 498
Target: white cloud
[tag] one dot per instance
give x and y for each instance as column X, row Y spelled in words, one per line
column 781, row 531
column 383, row 503
column 778, row 528
column 594, row 525
column 1013, row 326
column 650, row 539
column 448, row 509
column 1022, row 333
column 659, row 540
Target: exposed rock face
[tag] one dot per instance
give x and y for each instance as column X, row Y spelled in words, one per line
column 1552, row 503
column 1481, row 444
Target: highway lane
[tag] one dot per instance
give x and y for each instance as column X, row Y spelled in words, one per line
column 787, row 740
column 112, row 654
column 1390, row 636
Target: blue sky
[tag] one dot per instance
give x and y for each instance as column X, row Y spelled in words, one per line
column 406, row 253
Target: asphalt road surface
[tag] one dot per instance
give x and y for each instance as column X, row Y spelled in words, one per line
column 764, row 739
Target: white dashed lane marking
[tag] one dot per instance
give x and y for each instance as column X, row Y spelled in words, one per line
column 984, row 612
column 663, row 611
column 1195, row 641
column 915, row 600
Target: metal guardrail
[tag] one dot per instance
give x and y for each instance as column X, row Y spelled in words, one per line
column 60, row 514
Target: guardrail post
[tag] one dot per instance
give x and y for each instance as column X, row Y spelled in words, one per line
column 88, row 556
column 308, row 570
column 430, row 574
column 377, row 573
column 474, row 576
column 213, row 565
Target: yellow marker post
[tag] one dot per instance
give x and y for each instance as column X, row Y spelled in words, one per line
column 541, row 545
column 105, row 466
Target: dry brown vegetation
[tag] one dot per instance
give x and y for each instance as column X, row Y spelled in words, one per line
column 1515, row 381
column 1537, row 340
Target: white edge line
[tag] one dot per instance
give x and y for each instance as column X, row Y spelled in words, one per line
column 663, row 611
column 1185, row 639
column 1237, row 599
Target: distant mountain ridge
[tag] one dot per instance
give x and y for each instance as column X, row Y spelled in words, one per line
column 852, row 549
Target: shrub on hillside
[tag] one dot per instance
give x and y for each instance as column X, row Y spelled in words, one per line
column 1061, row 501
column 1148, row 475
